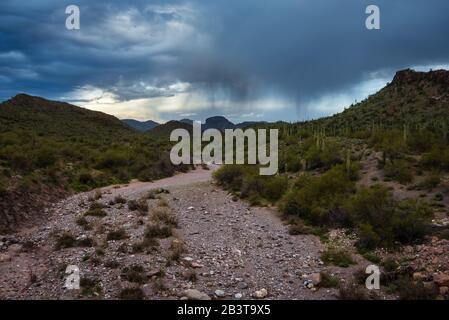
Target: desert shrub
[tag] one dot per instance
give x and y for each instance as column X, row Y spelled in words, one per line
column 251, row 184
column 320, row 199
column 337, row 257
column 86, row 178
column 325, row 155
column 119, row 234
column 291, row 161
column 352, row 292
column 111, row 159
column 119, row 200
column 138, row 205
column 90, row 287
column 437, row 158
column 421, row 140
column 177, row 248
column 381, row 220
column 64, row 241
column 134, row 273
column 157, row 230
column 398, row 170
column 269, row 188
column 164, row 215
column 85, row 242
column 144, row 244
column 132, row 294
column 391, row 142
column 411, row 290
column 82, row 222
column 410, row 220
column 299, row 228
column 111, row 264
column 328, row 281
column 95, row 212
column 230, row 176
column 432, row 181
column 45, row 158
column 371, row 256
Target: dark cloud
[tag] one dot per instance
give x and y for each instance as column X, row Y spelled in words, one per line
column 236, row 50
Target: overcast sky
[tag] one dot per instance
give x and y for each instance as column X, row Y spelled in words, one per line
column 244, row 59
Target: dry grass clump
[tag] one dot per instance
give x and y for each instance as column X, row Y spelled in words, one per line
column 164, row 215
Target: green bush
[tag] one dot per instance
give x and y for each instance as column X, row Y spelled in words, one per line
column 320, row 199
column 325, row 155
column 230, row 176
column 382, row 221
column 338, row 258
column 111, row 159
column 328, row 281
column 251, row 185
column 437, row 158
column 398, row 170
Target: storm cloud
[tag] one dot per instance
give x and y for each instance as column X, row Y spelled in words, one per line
column 283, row 59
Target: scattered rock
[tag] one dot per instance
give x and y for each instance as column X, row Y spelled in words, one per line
column 196, row 265
column 193, row 294
column 238, row 296
column 315, row 278
column 4, row 257
column 418, row 276
column 260, row 294
column 220, row 293
column 441, row 279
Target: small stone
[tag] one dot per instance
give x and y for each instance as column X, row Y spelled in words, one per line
column 188, row 259
column 196, row 265
column 220, row 293
column 260, row 294
column 315, row 278
column 418, row 276
column 15, row 248
column 5, row 257
column 441, row 279
column 190, row 208
column 193, row 294
column 238, row 296
column 444, row 291
column 242, row 285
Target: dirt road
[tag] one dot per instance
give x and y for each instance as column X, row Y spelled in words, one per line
column 233, row 251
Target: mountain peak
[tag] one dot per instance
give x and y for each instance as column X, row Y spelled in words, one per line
column 25, row 99
column 409, row 76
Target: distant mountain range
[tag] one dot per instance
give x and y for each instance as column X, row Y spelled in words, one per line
column 141, row 126
column 217, row 122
